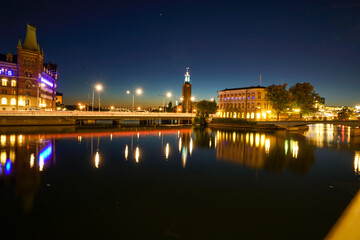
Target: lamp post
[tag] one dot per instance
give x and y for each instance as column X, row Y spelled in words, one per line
column 138, row 92
column 98, row 88
column 168, row 94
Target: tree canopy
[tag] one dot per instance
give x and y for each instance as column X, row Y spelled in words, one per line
column 204, row 108
column 304, row 97
column 279, row 97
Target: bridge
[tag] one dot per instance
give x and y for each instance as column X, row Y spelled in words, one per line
column 51, row 118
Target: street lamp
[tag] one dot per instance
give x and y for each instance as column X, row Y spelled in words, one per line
column 98, row 88
column 168, row 94
column 138, row 92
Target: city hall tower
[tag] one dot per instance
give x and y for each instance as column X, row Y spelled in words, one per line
column 186, row 94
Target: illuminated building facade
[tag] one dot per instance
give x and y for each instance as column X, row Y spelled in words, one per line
column 186, row 94
column 246, row 103
column 27, row 83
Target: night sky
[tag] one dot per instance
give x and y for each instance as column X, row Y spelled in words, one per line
column 129, row 44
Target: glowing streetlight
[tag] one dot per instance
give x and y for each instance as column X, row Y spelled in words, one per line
column 98, row 88
column 192, row 99
column 138, row 92
column 212, row 99
column 168, row 94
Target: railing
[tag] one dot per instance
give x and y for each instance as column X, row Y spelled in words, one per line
column 93, row 114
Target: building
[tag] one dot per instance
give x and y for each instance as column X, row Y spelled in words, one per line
column 245, row 103
column 186, row 106
column 59, row 98
column 27, row 83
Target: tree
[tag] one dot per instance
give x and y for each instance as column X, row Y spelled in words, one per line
column 304, row 97
column 279, row 98
column 169, row 107
column 204, row 108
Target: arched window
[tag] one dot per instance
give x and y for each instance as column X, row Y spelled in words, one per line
column 3, row 101
column 26, row 73
column 259, row 95
column 28, row 84
column 30, row 74
column 13, row 101
column 13, row 83
column 27, row 102
column 4, row 82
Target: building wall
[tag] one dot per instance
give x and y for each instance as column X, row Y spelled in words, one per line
column 245, row 103
column 32, row 84
column 186, row 93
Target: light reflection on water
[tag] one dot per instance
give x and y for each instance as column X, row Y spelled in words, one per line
column 26, row 158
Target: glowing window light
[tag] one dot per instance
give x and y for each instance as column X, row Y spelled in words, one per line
column 13, row 101
column 97, row 159
column 8, row 167
column 167, row 151
column 47, row 82
column 126, row 152
column 258, row 115
column 20, row 139
column 137, row 154
column 4, row 101
column 10, row 72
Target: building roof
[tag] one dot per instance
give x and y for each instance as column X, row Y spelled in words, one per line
column 30, row 42
column 3, row 58
column 243, row 88
column 59, row 93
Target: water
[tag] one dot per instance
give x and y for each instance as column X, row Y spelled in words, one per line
column 175, row 183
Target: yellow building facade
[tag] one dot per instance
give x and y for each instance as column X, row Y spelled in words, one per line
column 245, row 103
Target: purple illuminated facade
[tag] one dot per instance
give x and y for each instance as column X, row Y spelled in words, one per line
column 27, row 83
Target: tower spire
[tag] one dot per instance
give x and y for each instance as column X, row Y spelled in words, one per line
column 30, row 42
column 187, row 75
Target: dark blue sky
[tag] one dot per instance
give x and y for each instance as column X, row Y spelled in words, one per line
column 148, row 44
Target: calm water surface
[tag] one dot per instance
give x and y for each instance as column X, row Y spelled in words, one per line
column 176, row 183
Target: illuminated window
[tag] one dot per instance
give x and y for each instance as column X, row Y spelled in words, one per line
column 13, row 83
column 257, row 115
column 28, row 84
column 4, row 82
column 3, row 101
column 13, row 101
column 252, row 115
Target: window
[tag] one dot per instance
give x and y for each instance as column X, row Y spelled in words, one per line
column 30, row 74
column 13, row 83
column 4, row 82
column 26, row 73
column 27, row 102
column 27, row 93
column 28, row 84
column 3, row 101
column 13, row 101
column 259, row 95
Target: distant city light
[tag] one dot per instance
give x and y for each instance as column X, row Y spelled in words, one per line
column 169, row 94
column 139, row 91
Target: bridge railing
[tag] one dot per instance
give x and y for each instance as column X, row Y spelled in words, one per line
column 94, row 114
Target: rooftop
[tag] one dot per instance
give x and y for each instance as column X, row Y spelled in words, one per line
column 242, row 88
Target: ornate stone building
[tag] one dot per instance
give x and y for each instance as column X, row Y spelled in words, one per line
column 246, row 103
column 27, row 83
